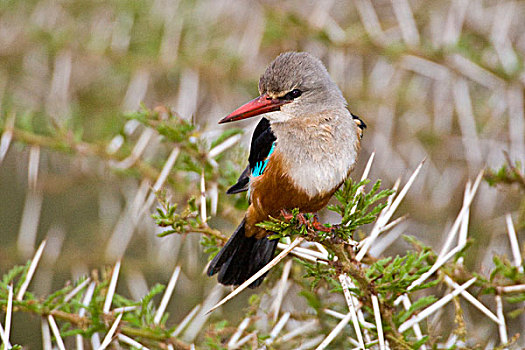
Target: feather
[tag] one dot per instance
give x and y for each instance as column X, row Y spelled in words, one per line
column 262, row 144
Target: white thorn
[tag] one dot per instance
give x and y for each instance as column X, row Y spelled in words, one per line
column 366, row 172
column 434, row 268
column 415, row 327
column 5, row 341
column 352, row 304
column 125, row 339
column 204, row 217
column 76, row 290
column 512, row 289
column 379, row 325
column 406, row 21
column 335, row 332
column 383, row 220
column 109, row 337
column 462, row 212
column 502, row 326
column 473, row 300
column 46, row 336
column 56, row 332
column 186, row 320
column 167, row 295
column 463, row 230
column 137, row 151
column 232, row 344
column 434, row 307
column 9, row 313
column 111, row 288
column 282, row 287
column 7, row 136
column 124, row 309
column 230, row 141
column 166, row 169
column 513, row 238
column 246, row 339
column 87, row 299
column 31, row 271
column 95, row 341
column 277, row 328
column 32, row 171
column 301, row 330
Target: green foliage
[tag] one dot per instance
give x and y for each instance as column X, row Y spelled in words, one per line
column 285, row 228
column 392, row 277
column 356, row 207
column 179, row 223
column 386, row 278
column 504, row 269
column 319, row 272
column 510, row 174
column 210, row 246
column 138, row 321
column 506, row 174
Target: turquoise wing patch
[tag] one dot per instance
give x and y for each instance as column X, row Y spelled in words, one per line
column 259, row 167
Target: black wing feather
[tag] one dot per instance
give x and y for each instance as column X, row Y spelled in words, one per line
column 262, row 140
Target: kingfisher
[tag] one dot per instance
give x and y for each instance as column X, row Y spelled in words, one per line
column 301, row 152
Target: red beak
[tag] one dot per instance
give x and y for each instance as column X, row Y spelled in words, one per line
column 260, row 105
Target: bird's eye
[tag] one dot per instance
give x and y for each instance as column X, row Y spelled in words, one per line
column 293, row 94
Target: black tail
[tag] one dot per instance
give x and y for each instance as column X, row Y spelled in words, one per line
column 241, row 257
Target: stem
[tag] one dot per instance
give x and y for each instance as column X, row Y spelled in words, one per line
column 82, row 148
column 82, row 322
column 205, row 229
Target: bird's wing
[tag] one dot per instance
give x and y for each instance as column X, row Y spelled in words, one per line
column 360, row 124
column 262, row 145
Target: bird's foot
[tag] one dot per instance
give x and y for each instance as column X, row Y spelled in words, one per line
column 301, row 218
column 286, row 215
column 316, row 224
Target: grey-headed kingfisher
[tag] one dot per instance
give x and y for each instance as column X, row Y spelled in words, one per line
column 301, row 152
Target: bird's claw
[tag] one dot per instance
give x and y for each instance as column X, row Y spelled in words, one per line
column 301, row 218
column 286, row 215
column 316, row 224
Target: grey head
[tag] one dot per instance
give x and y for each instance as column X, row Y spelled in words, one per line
column 304, row 82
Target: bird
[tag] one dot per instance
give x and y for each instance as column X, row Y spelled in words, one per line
column 301, row 152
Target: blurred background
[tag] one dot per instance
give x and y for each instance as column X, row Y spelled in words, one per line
column 441, row 80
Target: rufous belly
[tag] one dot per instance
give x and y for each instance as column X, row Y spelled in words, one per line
column 274, row 190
